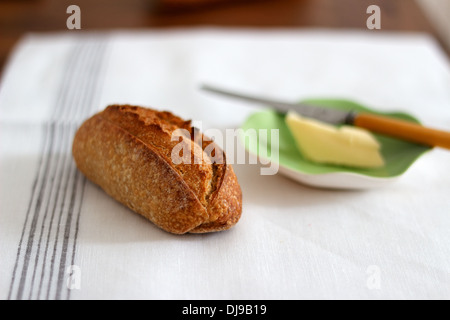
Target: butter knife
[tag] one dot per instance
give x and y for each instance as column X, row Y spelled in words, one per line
column 400, row 129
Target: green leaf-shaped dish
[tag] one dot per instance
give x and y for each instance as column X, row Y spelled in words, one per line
column 399, row 155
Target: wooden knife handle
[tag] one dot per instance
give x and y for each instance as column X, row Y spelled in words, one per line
column 403, row 129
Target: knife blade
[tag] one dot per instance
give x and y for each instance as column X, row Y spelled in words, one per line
column 328, row 115
column 396, row 128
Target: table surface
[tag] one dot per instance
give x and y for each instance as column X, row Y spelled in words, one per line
column 20, row 17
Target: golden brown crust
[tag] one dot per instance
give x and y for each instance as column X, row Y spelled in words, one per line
column 126, row 150
column 225, row 207
column 155, row 130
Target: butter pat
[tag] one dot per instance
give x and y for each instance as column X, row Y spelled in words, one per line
column 324, row 143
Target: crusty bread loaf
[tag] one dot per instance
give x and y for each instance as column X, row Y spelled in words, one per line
column 126, row 150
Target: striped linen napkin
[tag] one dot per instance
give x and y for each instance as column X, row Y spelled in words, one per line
column 51, row 201
column 61, row 237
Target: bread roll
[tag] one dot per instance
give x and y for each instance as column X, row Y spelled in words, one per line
column 126, row 150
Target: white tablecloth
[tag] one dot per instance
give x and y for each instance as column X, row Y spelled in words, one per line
column 61, row 237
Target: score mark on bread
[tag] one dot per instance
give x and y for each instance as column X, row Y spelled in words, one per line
column 126, row 150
